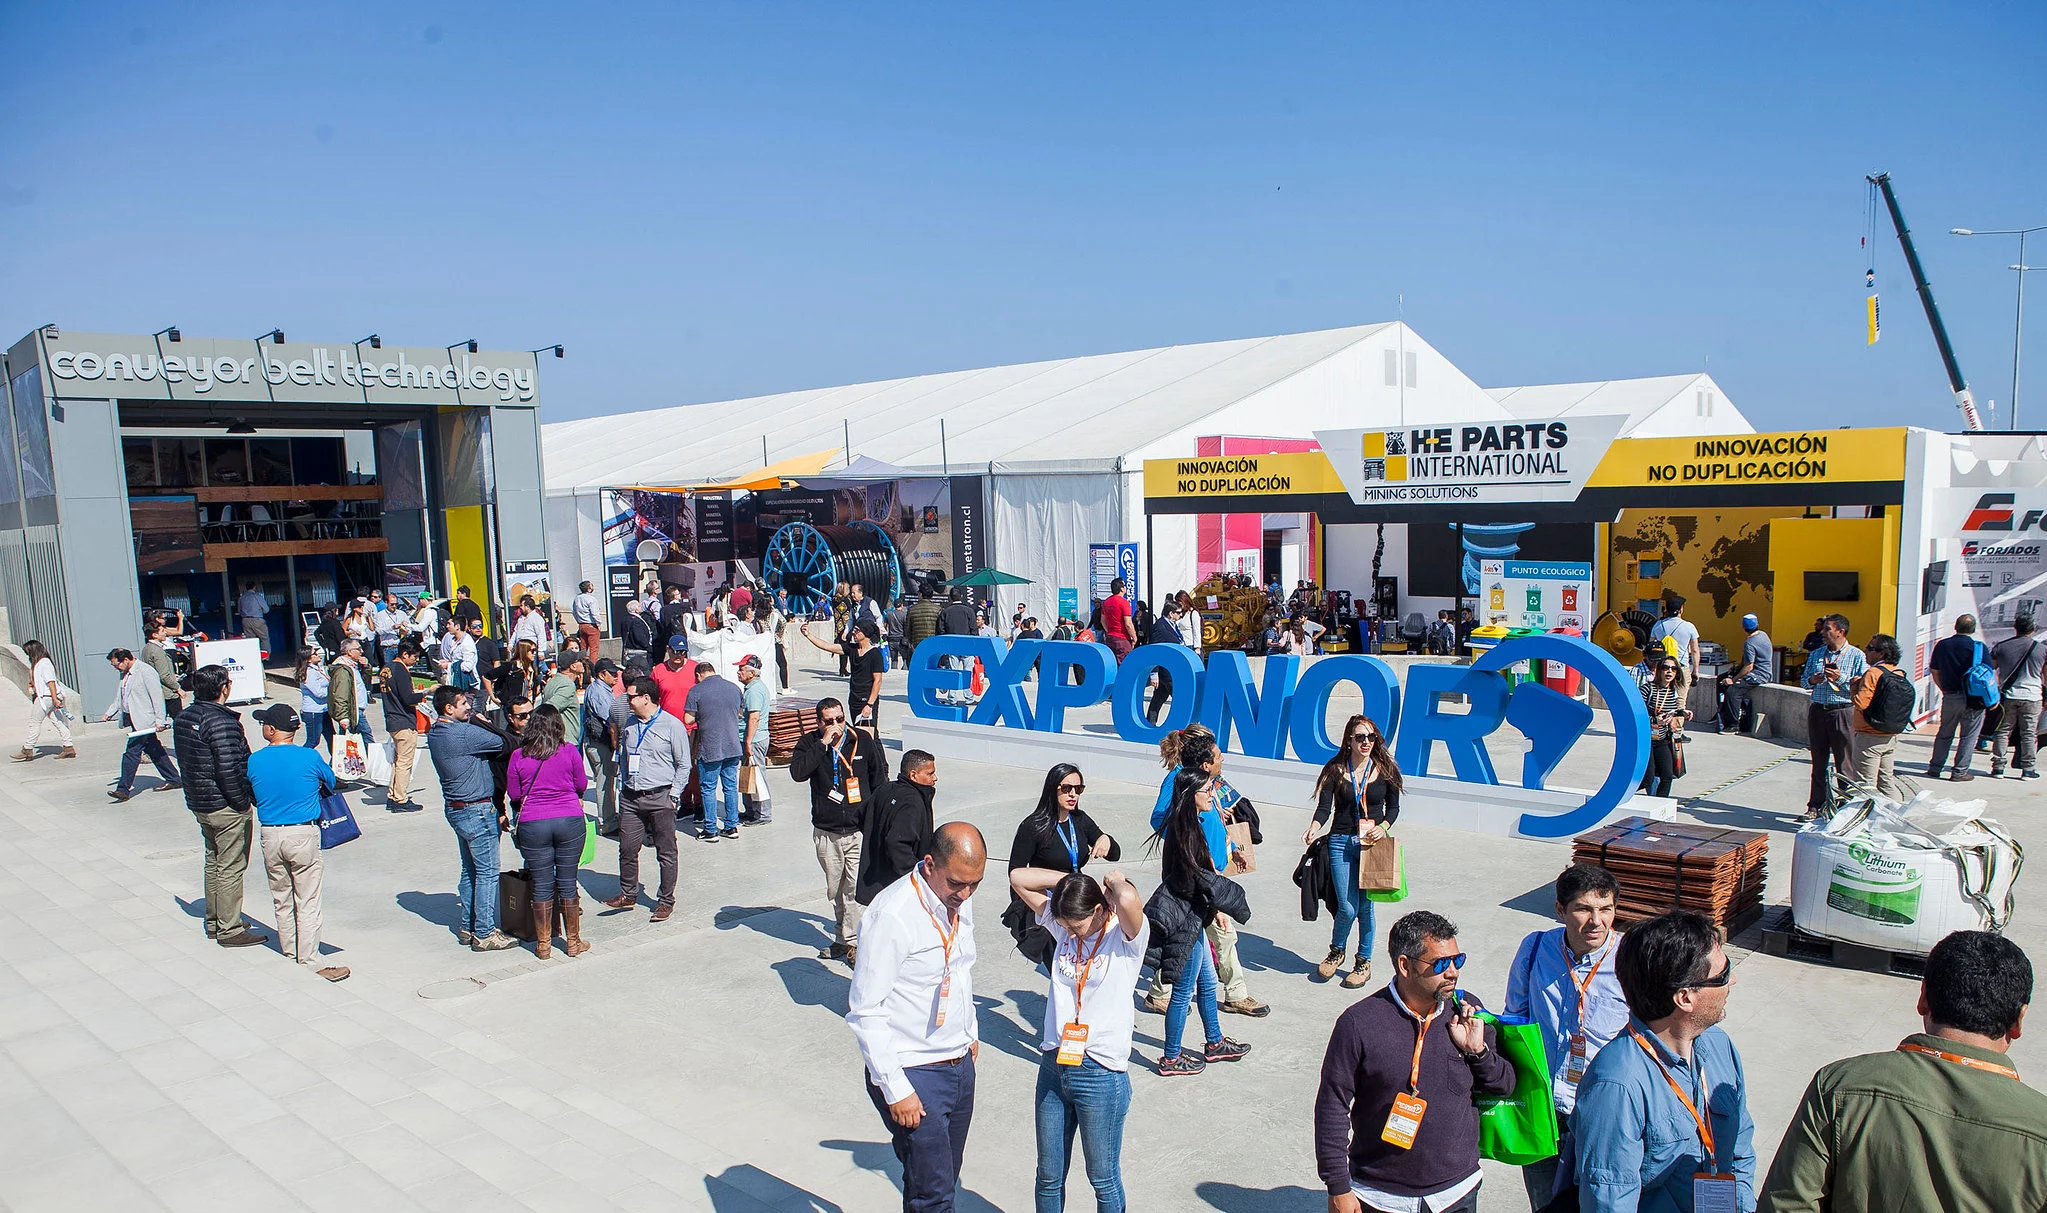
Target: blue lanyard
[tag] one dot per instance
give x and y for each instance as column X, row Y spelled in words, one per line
column 1071, row 837
column 641, row 736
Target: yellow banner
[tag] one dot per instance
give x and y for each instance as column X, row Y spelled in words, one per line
column 1790, row 457
column 1224, row 476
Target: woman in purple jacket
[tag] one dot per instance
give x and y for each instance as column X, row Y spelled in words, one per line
column 544, row 782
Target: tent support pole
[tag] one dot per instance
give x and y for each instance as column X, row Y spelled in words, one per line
column 1151, row 572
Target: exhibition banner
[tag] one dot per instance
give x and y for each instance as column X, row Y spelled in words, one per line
column 1537, row 594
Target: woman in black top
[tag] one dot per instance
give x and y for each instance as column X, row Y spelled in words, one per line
column 1362, row 771
column 518, row 676
column 1056, row 837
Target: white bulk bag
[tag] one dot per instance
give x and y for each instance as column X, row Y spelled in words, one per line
column 1903, row 877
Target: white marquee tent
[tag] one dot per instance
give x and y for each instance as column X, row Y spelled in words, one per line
column 1062, row 443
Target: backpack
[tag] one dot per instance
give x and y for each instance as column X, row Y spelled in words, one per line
column 1981, row 682
column 1890, row 707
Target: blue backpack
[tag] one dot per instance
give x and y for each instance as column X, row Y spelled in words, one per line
column 1984, row 692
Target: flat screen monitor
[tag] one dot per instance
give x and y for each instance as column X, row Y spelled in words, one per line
column 1833, row 587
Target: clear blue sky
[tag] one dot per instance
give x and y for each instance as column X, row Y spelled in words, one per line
column 711, row 201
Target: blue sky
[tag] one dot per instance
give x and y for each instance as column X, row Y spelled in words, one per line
column 711, row 201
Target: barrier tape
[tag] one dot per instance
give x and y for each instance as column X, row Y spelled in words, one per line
column 1715, row 791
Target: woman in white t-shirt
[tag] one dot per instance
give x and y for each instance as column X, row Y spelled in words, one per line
column 49, row 704
column 1099, row 934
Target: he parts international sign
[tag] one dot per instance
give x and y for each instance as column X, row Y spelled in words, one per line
column 1473, row 462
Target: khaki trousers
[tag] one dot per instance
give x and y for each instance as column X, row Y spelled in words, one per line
column 839, row 856
column 1229, row 975
column 1873, row 754
column 404, row 750
column 226, row 835
column 291, row 858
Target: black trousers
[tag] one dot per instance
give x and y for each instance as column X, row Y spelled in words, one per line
column 1662, row 771
column 1159, row 694
column 1826, row 731
column 644, row 817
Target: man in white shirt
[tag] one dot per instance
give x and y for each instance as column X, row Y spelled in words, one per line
column 253, row 606
column 1675, row 625
column 1563, row 980
column 911, row 1009
column 458, row 655
column 531, row 626
column 584, row 608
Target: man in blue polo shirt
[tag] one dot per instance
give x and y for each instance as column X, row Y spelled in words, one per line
column 288, row 781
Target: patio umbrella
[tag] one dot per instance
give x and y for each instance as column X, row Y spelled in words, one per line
column 987, row 577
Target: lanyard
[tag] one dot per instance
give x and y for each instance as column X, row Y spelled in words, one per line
column 1358, row 782
column 1586, row 984
column 1071, row 837
column 1080, row 967
column 1421, row 1035
column 945, row 941
column 641, row 736
column 1705, row 1126
column 842, row 767
column 1971, row 1062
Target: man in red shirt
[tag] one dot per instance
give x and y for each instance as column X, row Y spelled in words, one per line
column 1117, row 628
column 675, row 676
column 742, row 598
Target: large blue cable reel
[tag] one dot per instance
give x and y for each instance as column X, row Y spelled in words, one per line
column 810, row 561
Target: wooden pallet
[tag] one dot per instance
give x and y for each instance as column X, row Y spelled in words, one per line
column 1781, row 937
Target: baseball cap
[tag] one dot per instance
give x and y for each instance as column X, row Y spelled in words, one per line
column 606, row 665
column 678, row 642
column 751, row 659
column 1750, row 622
column 279, row 716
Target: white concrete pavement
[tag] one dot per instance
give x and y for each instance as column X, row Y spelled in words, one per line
column 701, row 1063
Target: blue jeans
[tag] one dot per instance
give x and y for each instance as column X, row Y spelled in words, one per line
column 476, row 894
column 313, row 726
column 932, row 1152
column 1352, row 906
column 552, row 848
column 131, row 760
column 720, row 780
column 1094, row 1099
column 1197, row 983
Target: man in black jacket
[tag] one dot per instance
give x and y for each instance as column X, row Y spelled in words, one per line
column 899, row 826
column 638, row 637
column 674, row 619
column 845, row 769
column 213, row 752
column 957, row 619
column 401, row 721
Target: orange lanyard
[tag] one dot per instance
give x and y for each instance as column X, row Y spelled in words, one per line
column 1585, row 985
column 840, row 760
column 1971, row 1062
column 1080, row 968
column 945, row 941
column 1421, row 1035
column 1705, row 1128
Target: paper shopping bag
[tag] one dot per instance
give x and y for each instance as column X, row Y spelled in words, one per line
column 1242, row 857
column 1379, row 865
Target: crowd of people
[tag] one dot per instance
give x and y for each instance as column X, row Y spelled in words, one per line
column 1649, row 1092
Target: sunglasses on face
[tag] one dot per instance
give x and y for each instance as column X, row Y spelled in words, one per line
column 830, row 719
column 1725, row 975
column 1363, row 738
column 1444, row 964
column 1072, row 789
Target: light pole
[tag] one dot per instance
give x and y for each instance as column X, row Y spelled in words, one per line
column 2018, row 325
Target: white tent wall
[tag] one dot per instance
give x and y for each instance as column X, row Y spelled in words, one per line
column 575, row 540
column 1175, row 540
column 1042, row 519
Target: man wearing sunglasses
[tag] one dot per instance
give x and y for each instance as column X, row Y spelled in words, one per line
column 845, row 770
column 1662, row 1121
column 1395, row 1126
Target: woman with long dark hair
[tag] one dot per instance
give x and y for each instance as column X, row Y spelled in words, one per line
column 518, row 677
column 311, row 676
column 1357, row 796
column 1190, row 896
column 1098, row 934
column 46, row 690
column 1194, row 749
column 1057, row 837
column 544, row 782
column 1664, row 694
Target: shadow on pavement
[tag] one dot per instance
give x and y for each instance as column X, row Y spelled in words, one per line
column 1260, row 954
column 1542, row 900
column 1234, row 1198
column 880, row 1157
column 811, row 984
column 745, row 1188
column 789, row 926
column 1001, row 1032
column 436, row 908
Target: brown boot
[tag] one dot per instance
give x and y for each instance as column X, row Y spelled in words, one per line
column 572, row 927
column 68, row 752
column 25, row 754
column 543, row 929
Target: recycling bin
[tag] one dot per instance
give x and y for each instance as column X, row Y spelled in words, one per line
column 1558, row 676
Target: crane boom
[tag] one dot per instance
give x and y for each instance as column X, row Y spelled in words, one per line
column 1963, row 398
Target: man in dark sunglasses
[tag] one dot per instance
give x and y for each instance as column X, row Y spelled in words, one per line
column 845, row 769
column 1395, row 1126
column 1672, row 1076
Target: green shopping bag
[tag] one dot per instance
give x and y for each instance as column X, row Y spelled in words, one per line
column 589, row 842
column 1399, row 894
column 1520, row 1128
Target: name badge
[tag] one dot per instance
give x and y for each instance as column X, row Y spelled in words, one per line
column 1405, row 1120
column 629, row 768
column 1574, row 1065
column 1714, row 1194
column 835, row 796
column 852, row 791
column 944, row 994
column 1072, row 1044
